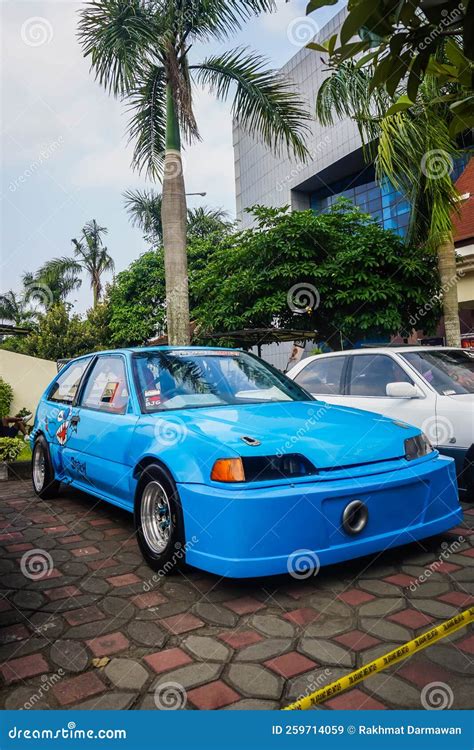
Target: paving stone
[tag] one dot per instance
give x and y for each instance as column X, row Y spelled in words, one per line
column 273, row 626
column 213, row 695
column 84, row 615
column 91, row 629
column 182, row 623
column 108, row 702
column 241, row 638
column 355, row 700
column 252, row 704
column 384, row 629
column 421, row 672
column 28, row 600
column 302, row 617
column 309, row 682
column 254, row 681
column 326, row 652
column 427, row 590
column 289, row 665
column 105, row 645
column 265, row 649
column 146, row 633
column 381, row 607
column 412, row 618
column 76, row 569
column 395, row 691
column 22, row 648
column 149, row 599
column 329, row 606
column 163, row 661
column 63, row 592
column 206, row 648
column 127, row 579
column 23, row 667
column 69, row 655
column 95, row 585
column 118, row 607
column 244, row 605
column 190, row 676
column 26, row 698
column 13, row 633
column 354, row 597
column 47, row 624
column 451, row 658
column 78, row 688
column 126, row 674
column 460, row 599
column 215, row 614
column 439, row 610
column 162, row 611
column 379, row 588
column 328, row 628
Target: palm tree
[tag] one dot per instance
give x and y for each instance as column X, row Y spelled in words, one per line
column 413, row 150
column 140, row 50
column 92, row 256
column 52, row 283
column 144, row 207
column 14, row 308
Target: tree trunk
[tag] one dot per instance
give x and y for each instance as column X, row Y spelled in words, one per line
column 448, row 275
column 174, row 233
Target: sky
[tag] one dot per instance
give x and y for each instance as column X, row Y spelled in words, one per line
column 64, row 151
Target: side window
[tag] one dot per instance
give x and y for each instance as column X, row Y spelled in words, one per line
column 106, row 388
column 65, row 386
column 323, row 376
column 371, row 374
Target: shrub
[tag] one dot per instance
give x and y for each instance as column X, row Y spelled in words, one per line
column 10, row 449
column 6, row 398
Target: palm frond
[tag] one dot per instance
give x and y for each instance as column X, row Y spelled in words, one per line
column 118, row 36
column 218, row 19
column 147, row 127
column 144, row 208
column 264, row 102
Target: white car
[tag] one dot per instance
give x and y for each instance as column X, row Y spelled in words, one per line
column 429, row 387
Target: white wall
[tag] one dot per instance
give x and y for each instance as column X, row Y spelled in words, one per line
column 28, row 376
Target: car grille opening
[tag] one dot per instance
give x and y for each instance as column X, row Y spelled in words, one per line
column 263, row 468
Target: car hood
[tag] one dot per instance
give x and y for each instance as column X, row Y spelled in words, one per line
column 328, row 435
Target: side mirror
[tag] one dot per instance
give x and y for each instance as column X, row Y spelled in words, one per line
column 401, row 390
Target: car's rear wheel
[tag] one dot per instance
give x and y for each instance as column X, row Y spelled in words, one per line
column 42, row 473
column 158, row 520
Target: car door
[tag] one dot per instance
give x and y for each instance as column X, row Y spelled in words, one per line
column 97, row 451
column 56, row 410
column 367, row 379
column 323, row 377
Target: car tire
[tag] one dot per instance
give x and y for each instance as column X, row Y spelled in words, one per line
column 158, row 520
column 45, row 485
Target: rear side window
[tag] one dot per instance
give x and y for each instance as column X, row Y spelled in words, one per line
column 323, row 376
column 64, row 388
column 106, row 388
column 371, row 373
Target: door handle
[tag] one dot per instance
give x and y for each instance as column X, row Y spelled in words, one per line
column 75, row 419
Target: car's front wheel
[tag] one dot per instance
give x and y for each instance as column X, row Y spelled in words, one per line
column 42, row 473
column 158, row 520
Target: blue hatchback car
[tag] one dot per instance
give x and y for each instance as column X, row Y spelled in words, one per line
column 228, row 463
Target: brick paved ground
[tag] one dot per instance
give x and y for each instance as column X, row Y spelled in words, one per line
column 97, row 632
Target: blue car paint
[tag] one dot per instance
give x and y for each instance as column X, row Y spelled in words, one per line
column 253, row 529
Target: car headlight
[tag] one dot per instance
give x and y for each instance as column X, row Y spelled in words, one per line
column 416, row 447
column 261, row 468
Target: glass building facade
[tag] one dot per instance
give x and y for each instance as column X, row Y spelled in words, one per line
column 380, row 200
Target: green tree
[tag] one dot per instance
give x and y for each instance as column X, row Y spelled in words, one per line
column 339, row 273
column 140, row 51
column 53, row 282
column 15, row 308
column 414, row 151
column 407, row 42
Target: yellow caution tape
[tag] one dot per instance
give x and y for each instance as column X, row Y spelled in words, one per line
column 383, row 662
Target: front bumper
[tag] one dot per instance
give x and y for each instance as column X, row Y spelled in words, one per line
column 259, row 531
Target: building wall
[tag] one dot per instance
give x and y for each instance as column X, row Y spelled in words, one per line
column 28, row 376
column 261, row 177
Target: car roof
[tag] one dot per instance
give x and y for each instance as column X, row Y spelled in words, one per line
column 135, row 349
column 387, row 350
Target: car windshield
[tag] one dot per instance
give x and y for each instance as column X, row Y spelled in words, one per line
column 450, row 372
column 180, row 379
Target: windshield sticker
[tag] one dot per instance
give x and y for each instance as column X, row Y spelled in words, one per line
column 109, row 392
column 152, row 398
column 449, row 392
